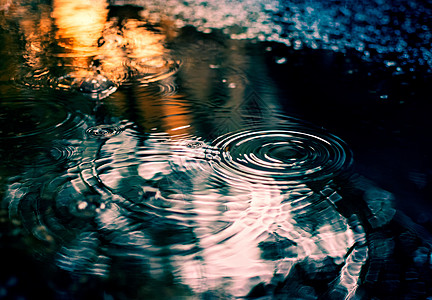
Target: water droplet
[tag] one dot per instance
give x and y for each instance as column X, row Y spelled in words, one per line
column 82, row 205
column 97, row 84
column 390, row 63
column 281, row 60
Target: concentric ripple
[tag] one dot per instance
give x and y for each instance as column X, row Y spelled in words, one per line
column 95, row 85
column 103, row 131
column 101, row 84
column 87, row 81
column 21, row 118
column 152, row 69
column 280, row 156
column 38, row 156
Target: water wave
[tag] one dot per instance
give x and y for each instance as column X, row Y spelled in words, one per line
column 146, row 70
column 280, row 156
column 89, row 82
column 175, row 194
column 21, row 118
column 103, row 131
column 36, row 156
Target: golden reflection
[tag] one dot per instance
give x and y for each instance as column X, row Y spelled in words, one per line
column 117, row 48
column 35, row 26
column 176, row 118
column 153, row 110
column 80, row 23
column 96, row 45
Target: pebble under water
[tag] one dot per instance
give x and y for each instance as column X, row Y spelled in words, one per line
column 215, row 150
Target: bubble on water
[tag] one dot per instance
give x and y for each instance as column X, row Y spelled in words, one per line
column 280, row 156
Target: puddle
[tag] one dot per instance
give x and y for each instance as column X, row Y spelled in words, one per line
column 197, row 150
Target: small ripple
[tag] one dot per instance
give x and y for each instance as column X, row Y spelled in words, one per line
column 153, row 69
column 102, row 83
column 87, row 81
column 95, row 85
column 82, row 256
column 20, row 118
column 167, row 88
column 157, row 90
column 51, row 211
column 280, row 156
column 195, row 144
column 39, row 156
column 36, row 79
column 103, row 131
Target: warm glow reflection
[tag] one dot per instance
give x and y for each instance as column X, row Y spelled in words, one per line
column 155, row 111
column 36, row 29
column 140, row 43
column 80, row 25
column 92, row 42
column 80, row 22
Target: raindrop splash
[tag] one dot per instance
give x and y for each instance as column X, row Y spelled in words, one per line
column 97, row 86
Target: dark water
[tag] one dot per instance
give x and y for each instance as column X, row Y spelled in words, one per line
column 215, row 150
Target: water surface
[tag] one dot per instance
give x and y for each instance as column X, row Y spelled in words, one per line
column 185, row 151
